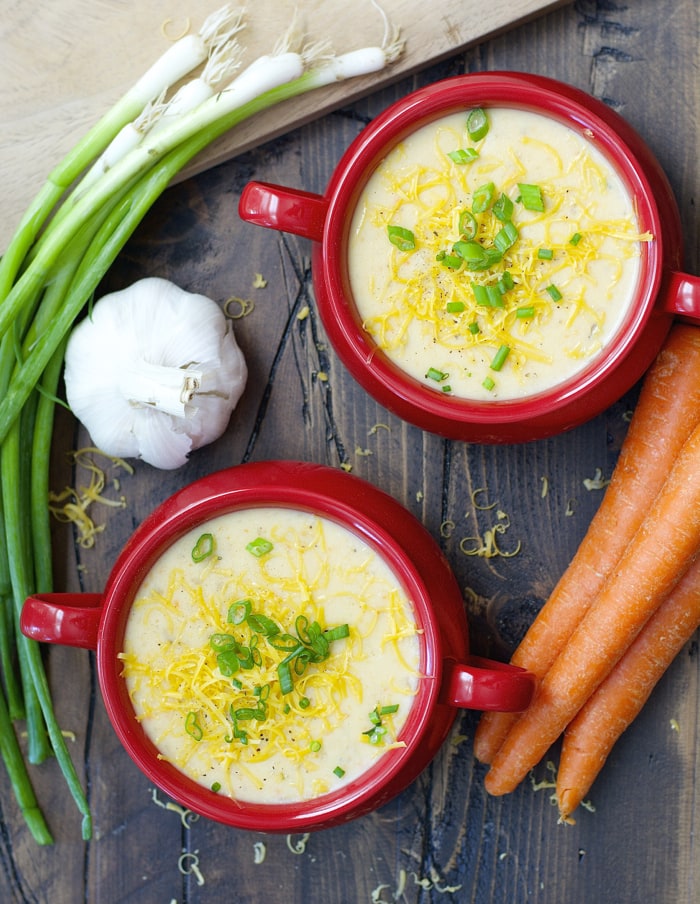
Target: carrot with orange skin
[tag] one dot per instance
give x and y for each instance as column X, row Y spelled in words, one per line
column 660, row 553
column 667, row 411
column 591, row 735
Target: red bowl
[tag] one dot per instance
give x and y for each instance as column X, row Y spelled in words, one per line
column 663, row 290
column 450, row 677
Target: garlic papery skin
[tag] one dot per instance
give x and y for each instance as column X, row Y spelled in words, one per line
column 154, row 372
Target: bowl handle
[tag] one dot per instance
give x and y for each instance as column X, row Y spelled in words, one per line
column 487, row 685
column 288, row 210
column 71, row 619
column 682, row 296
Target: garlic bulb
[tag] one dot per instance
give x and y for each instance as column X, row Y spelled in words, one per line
column 154, row 372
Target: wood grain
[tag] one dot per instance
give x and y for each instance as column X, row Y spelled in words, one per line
column 444, row 839
column 65, row 63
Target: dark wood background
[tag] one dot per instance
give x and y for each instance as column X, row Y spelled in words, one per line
column 445, row 835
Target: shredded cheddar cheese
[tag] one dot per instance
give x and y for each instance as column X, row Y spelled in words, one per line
column 72, row 505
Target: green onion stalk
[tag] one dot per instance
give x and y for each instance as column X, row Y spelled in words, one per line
column 51, row 269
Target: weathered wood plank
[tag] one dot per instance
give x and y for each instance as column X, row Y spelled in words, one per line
column 444, row 832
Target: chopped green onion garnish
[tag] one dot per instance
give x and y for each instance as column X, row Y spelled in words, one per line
column 446, row 388
column 239, row 611
column 499, row 358
column 531, row 196
column 463, row 155
column 387, row 710
column 203, row 548
column 259, row 547
column 475, row 255
column 575, row 238
column 495, row 296
column 192, row 727
column 402, row 238
column 545, row 254
column 505, row 283
column 434, row 374
column 315, row 746
column 480, row 294
column 477, row 124
column 488, row 383
column 339, row 771
column 506, row 237
column 525, row 312
column 483, row 196
column 474, row 328
column 374, row 717
column 452, row 261
column 216, row 786
column 304, row 702
column 503, row 208
column 468, row 226
column 261, row 624
column 454, row 307
column 553, row 292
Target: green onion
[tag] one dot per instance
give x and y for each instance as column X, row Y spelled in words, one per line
column 475, row 255
column 531, row 196
column 402, row 238
column 488, row 383
column 339, row 771
column 483, row 197
column 545, row 254
column 477, row 124
column 239, row 611
column 463, row 155
column 451, row 261
column 315, row 746
column 446, row 388
column 261, row 624
column 503, row 208
column 474, row 328
column 505, row 283
column 454, row 307
column 192, row 727
column 468, row 226
column 553, row 292
column 387, row 710
column 203, row 548
column 304, row 702
column 495, row 296
column 575, row 238
column 525, row 312
column 216, row 787
column 259, row 547
column 506, row 237
column 434, row 374
column 499, row 359
column 480, row 294
column 221, row 643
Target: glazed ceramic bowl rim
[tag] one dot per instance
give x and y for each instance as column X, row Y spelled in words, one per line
column 534, row 93
column 184, row 512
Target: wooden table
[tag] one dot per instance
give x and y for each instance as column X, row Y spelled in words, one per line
column 443, row 839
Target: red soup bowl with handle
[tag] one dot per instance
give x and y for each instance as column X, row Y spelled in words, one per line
column 446, row 677
column 611, row 365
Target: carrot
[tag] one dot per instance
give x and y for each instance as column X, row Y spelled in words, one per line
column 657, row 557
column 591, row 735
column 667, row 411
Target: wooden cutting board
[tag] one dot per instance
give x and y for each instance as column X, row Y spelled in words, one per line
column 64, row 63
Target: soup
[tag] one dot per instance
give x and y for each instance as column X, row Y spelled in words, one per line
column 494, row 263
column 271, row 655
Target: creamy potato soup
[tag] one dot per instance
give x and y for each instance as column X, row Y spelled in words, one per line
column 493, row 254
column 271, row 655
